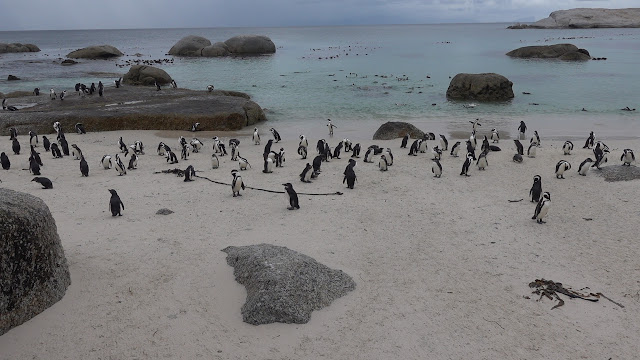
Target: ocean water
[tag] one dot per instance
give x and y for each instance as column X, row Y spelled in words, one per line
column 362, row 76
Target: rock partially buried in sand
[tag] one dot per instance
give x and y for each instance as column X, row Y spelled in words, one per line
column 397, row 129
column 558, row 51
column 283, row 285
column 33, row 269
column 17, row 48
column 480, row 87
column 95, row 52
column 164, row 211
column 145, row 75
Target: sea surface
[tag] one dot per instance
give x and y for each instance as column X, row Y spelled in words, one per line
column 363, row 76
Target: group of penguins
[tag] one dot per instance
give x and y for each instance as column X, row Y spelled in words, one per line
column 274, row 159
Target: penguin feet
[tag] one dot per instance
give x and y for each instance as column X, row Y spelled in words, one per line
column 291, row 208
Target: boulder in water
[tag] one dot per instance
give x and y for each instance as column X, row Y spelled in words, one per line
column 250, row 45
column 190, row 45
column 557, row 51
column 17, row 48
column 480, row 87
column 95, row 52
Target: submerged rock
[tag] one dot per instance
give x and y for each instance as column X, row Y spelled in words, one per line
column 33, row 269
column 17, row 48
column 557, row 51
column 480, row 87
column 283, row 285
column 95, row 52
column 397, row 129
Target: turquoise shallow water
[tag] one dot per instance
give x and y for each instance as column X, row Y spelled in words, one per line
column 302, row 85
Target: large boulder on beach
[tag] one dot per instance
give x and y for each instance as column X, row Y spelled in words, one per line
column 17, row 48
column 33, row 269
column 587, row 18
column 145, row 75
column 95, row 52
column 189, row 45
column 480, row 87
column 250, row 45
column 283, row 285
column 557, row 51
column 397, row 129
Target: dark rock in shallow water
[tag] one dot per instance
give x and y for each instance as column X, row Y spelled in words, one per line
column 12, row 78
column 192, row 45
column 68, row 62
column 283, row 285
column 95, row 52
column 17, row 48
column 250, row 45
column 33, row 269
column 480, row 87
column 397, row 129
column 145, row 75
column 567, row 52
column 619, row 173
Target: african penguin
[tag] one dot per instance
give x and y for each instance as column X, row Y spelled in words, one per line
column 256, row 137
column 189, row 173
column 627, row 157
column 542, row 209
column 268, row 165
column 471, row 150
column 215, row 163
column 455, row 149
column 15, row 146
column 531, row 151
column 444, row 144
column 584, row 166
column 436, row 168
column 590, row 141
column 133, row 162
column 55, row 151
column 243, row 163
column 567, row 147
column 519, row 146
column 34, row 167
column 84, row 167
column 80, row 129
column 517, row 158
column 4, row 160
column 196, row 145
column 355, row 153
column 45, row 182
column 482, row 162
column 467, row 164
column 522, row 129
column 106, row 162
column 561, row 167
column 350, row 177
column 382, row 164
column 536, row 189
column 115, row 203
column 171, row 157
column 292, row 196
column 305, row 176
column 495, row 136
column 603, row 158
column 405, row 139
column 276, row 135
column 413, row 150
column 119, row 166
column 33, row 139
column 535, row 139
column 236, row 183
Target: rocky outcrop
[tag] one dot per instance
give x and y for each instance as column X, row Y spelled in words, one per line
column 587, row 18
column 250, row 45
column 33, row 269
column 17, row 48
column 67, row 62
column 397, row 129
column 480, row 87
column 283, row 285
column 238, row 45
column 12, row 78
column 95, row 52
column 557, row 51
column 135, row 108
column 190, row 45
column 145, row 75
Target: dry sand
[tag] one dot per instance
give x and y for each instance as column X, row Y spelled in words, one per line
column 442, row 266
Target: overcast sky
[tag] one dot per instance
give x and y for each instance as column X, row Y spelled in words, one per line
column 125, row 14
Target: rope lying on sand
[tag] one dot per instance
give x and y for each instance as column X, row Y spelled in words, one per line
column 180, row 172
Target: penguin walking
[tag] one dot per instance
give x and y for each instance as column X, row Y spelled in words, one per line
column 194, row 127
column 355, row 153
column 542, row 209
column 531, row 151
column 215, row 162
column 115, row 203
column 495, row 136
column 519, row 146
column 106, row 162
column 522, row 129
column 236, row 183
column 33, row 139
column 80, row 128
column 482, row 162
column 627, row 157
column 455, row 149
column 336, row 151
column 243, row 163
column 133, row 162
column 189, row 173
column 405, row 140
column 568, row 147
column 536, row 189
column 292, row 196
column 45, row 182
column 590, row 141
column 55, row 151
column 305, row 176
column 15, row 146
column 84, row 167
column 46, row 143
column 475, row 124
column 413, row 150
column 584, row 166
column 119, row 166
column 383, row 165
column 561, row 167
column 331, row 127
column 276, row 135
column 4, row 160
column 436, row 168
column 467, row 164
column 256, row 137
column 444, row 143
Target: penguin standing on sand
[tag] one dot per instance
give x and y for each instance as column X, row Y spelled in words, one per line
column 196, row 145
column 568, row 147
column 80, row 128
column 535, row 139
column 405, row 140
column 536, row 189
column 280, row 158
column 243, row 163
column 495, row 136
column 422, row 145
column 455, row 149
column 413, row 150
column 369, row 154
column 336, row 151
column 55, row 151
column 437, row 153
column 473, row 140
column 542, row 209
column 467, row 164
column 256, row 137
column 268, row 165
column 236, row 183
column 355, row 153
column 84, row 167
column 65, row 146
column 482, row 162
column 471, row 150
column 45, row 182
column 106, row 162
column 584, row 166
column 77, row 153
column 522, row 129
column 601, row 159
column 46, row 143
column 184, row 153
column 436, row 168
column 331, row 127
column 350, row 176
column 117, row 82
column 122, row 145
column 627, row 157
column 590, row 141
column 302, row 151
column 444, row 144
column 133, row 162
column 317, row 164
column 189, row 173
column 292, row 196
column 276, row 135
column 305, row 176
column 267, row 148
column 158, row 88
column 561, row 167
column 519, row 146
column 100, row 88
column 36, row 156
column 13, row 133
column 4, row 160
column 119, row 166
column 52, row 94
column 531, row 151
column 383, row 164
column 171, row 157
column 215, row 162
column 485, row 147
column 33, row 139
column 347, row 145
column 15, row 146
column 115, row 203
column 34, row 167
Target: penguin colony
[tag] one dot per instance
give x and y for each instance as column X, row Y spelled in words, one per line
column 127, row 156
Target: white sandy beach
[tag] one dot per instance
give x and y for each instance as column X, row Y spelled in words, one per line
column 442, row 266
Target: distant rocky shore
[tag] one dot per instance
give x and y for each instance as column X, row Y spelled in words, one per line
column 582, row 18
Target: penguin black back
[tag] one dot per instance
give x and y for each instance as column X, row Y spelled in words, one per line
column 4, row 159
column 293, row 197
column 536, row 189
column 405, row 139
column 45, row 182
column 115, row 203
column 84, row 167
